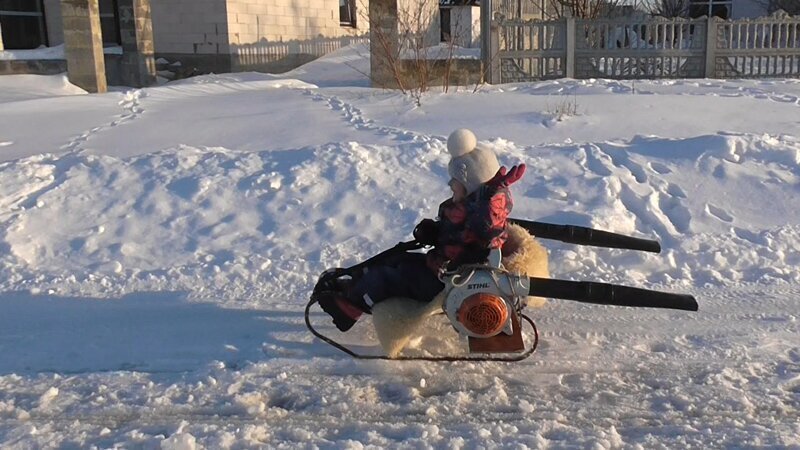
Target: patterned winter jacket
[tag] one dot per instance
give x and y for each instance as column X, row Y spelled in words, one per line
column 470, row 228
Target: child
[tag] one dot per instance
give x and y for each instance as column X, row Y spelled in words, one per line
column 471, row 222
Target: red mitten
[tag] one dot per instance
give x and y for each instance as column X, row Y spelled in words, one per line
column 505, row 178
column 515, row 174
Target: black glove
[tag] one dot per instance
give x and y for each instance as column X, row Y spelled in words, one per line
column 427, row 232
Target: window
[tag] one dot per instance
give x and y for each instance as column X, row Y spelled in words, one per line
column 716, row 8
column 109, row 23
column 347, row 13
column 23, row 24
column 444, row 24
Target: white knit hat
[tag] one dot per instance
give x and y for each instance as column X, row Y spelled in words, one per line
column 470, row 164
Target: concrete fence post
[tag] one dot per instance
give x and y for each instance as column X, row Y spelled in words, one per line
column 711, row 47
column 83, row 44
column 487, row 37
column 136, row 31
column 570, row 43
column 495, row 75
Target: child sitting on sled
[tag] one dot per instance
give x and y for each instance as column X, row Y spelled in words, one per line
column 470, row 223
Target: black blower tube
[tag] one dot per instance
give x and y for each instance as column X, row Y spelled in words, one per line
column 610, row 294
column 573, row 234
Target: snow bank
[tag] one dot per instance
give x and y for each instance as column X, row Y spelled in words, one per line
column 237, row 226
column 25, row 87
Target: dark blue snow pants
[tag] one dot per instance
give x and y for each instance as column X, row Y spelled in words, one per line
column 403, row 275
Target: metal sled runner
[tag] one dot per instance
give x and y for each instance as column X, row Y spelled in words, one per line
column 484, row 302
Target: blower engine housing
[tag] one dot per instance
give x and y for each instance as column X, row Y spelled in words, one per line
column 481, row 302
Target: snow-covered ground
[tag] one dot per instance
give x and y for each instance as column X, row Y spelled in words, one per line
column 157, row 248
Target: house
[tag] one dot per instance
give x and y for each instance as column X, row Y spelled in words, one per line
column 728, row 9
column 460, row 22
column 201, row 35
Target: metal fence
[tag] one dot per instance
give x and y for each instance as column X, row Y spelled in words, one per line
column 655, row 48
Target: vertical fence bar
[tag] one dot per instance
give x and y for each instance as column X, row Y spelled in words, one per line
column 775, row 66
column 671, row 32
column 746, row 36
column 739, row 36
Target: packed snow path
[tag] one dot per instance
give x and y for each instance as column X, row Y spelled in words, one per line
column 157, row 248
column 603, row 377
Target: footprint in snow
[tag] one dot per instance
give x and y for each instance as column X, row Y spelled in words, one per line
column 750, row 236
column 719, row 213
column 675, row 191
column 659, row 168
column 675, row 212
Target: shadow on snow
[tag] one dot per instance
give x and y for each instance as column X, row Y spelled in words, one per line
column 148, row 332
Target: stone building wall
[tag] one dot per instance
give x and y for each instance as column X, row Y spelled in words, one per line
column 192, row 32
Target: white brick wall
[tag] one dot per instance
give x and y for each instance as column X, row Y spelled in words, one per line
column 190, row 26
column 289, row 20
column 254, row 32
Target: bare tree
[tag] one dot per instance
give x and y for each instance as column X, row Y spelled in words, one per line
column 587, row 9
column 668, row 8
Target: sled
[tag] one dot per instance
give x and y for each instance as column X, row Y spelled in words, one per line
column 485, row 303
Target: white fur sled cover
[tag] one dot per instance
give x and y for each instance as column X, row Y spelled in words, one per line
column 398, row 319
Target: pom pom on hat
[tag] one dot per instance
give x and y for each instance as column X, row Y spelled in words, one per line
column 461, row 142
column 470, row 164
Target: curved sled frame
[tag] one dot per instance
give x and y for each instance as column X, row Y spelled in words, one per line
column 512, row 358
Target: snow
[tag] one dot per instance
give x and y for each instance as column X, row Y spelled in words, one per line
column 158, row 246
column 54, row 52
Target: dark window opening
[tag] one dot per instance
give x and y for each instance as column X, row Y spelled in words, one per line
column 347, row 13
column 710, row 8
column 444, row 23
column 23, row 24
column 109, row 23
